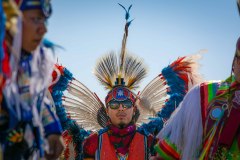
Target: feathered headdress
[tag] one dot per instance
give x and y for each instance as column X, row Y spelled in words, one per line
column 123, row 71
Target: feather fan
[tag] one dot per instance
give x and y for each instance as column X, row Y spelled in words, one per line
column 164, row 93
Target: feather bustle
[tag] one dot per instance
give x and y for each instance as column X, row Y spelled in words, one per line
column 159, row 93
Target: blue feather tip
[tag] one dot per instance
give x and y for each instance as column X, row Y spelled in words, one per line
column 127, row 15
column 50, row 45
column 2, row 30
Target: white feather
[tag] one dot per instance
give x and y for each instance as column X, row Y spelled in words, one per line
column 184, row 128
column 82, row 105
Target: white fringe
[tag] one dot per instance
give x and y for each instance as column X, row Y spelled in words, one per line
column 42, row 67
column 184, row 128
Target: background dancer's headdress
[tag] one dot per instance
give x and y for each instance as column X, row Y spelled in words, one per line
column 9, row 26
column 43, row 5
column 120, row 74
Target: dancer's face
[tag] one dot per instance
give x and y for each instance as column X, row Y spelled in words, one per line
column 121, row 115
column 34, row 28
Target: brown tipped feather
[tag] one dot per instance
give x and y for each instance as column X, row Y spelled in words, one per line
column 106, row 70
column 134, row 71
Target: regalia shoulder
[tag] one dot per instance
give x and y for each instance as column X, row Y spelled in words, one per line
column 90, row 145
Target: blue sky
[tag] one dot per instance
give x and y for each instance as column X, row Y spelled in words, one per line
column 162, row 30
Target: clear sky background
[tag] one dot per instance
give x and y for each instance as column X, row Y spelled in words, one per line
column 162, row 31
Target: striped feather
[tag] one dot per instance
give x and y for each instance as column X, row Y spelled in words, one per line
column 106, row 70
column 134, row 71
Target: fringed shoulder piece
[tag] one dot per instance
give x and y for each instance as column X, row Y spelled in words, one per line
column 90, row 146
